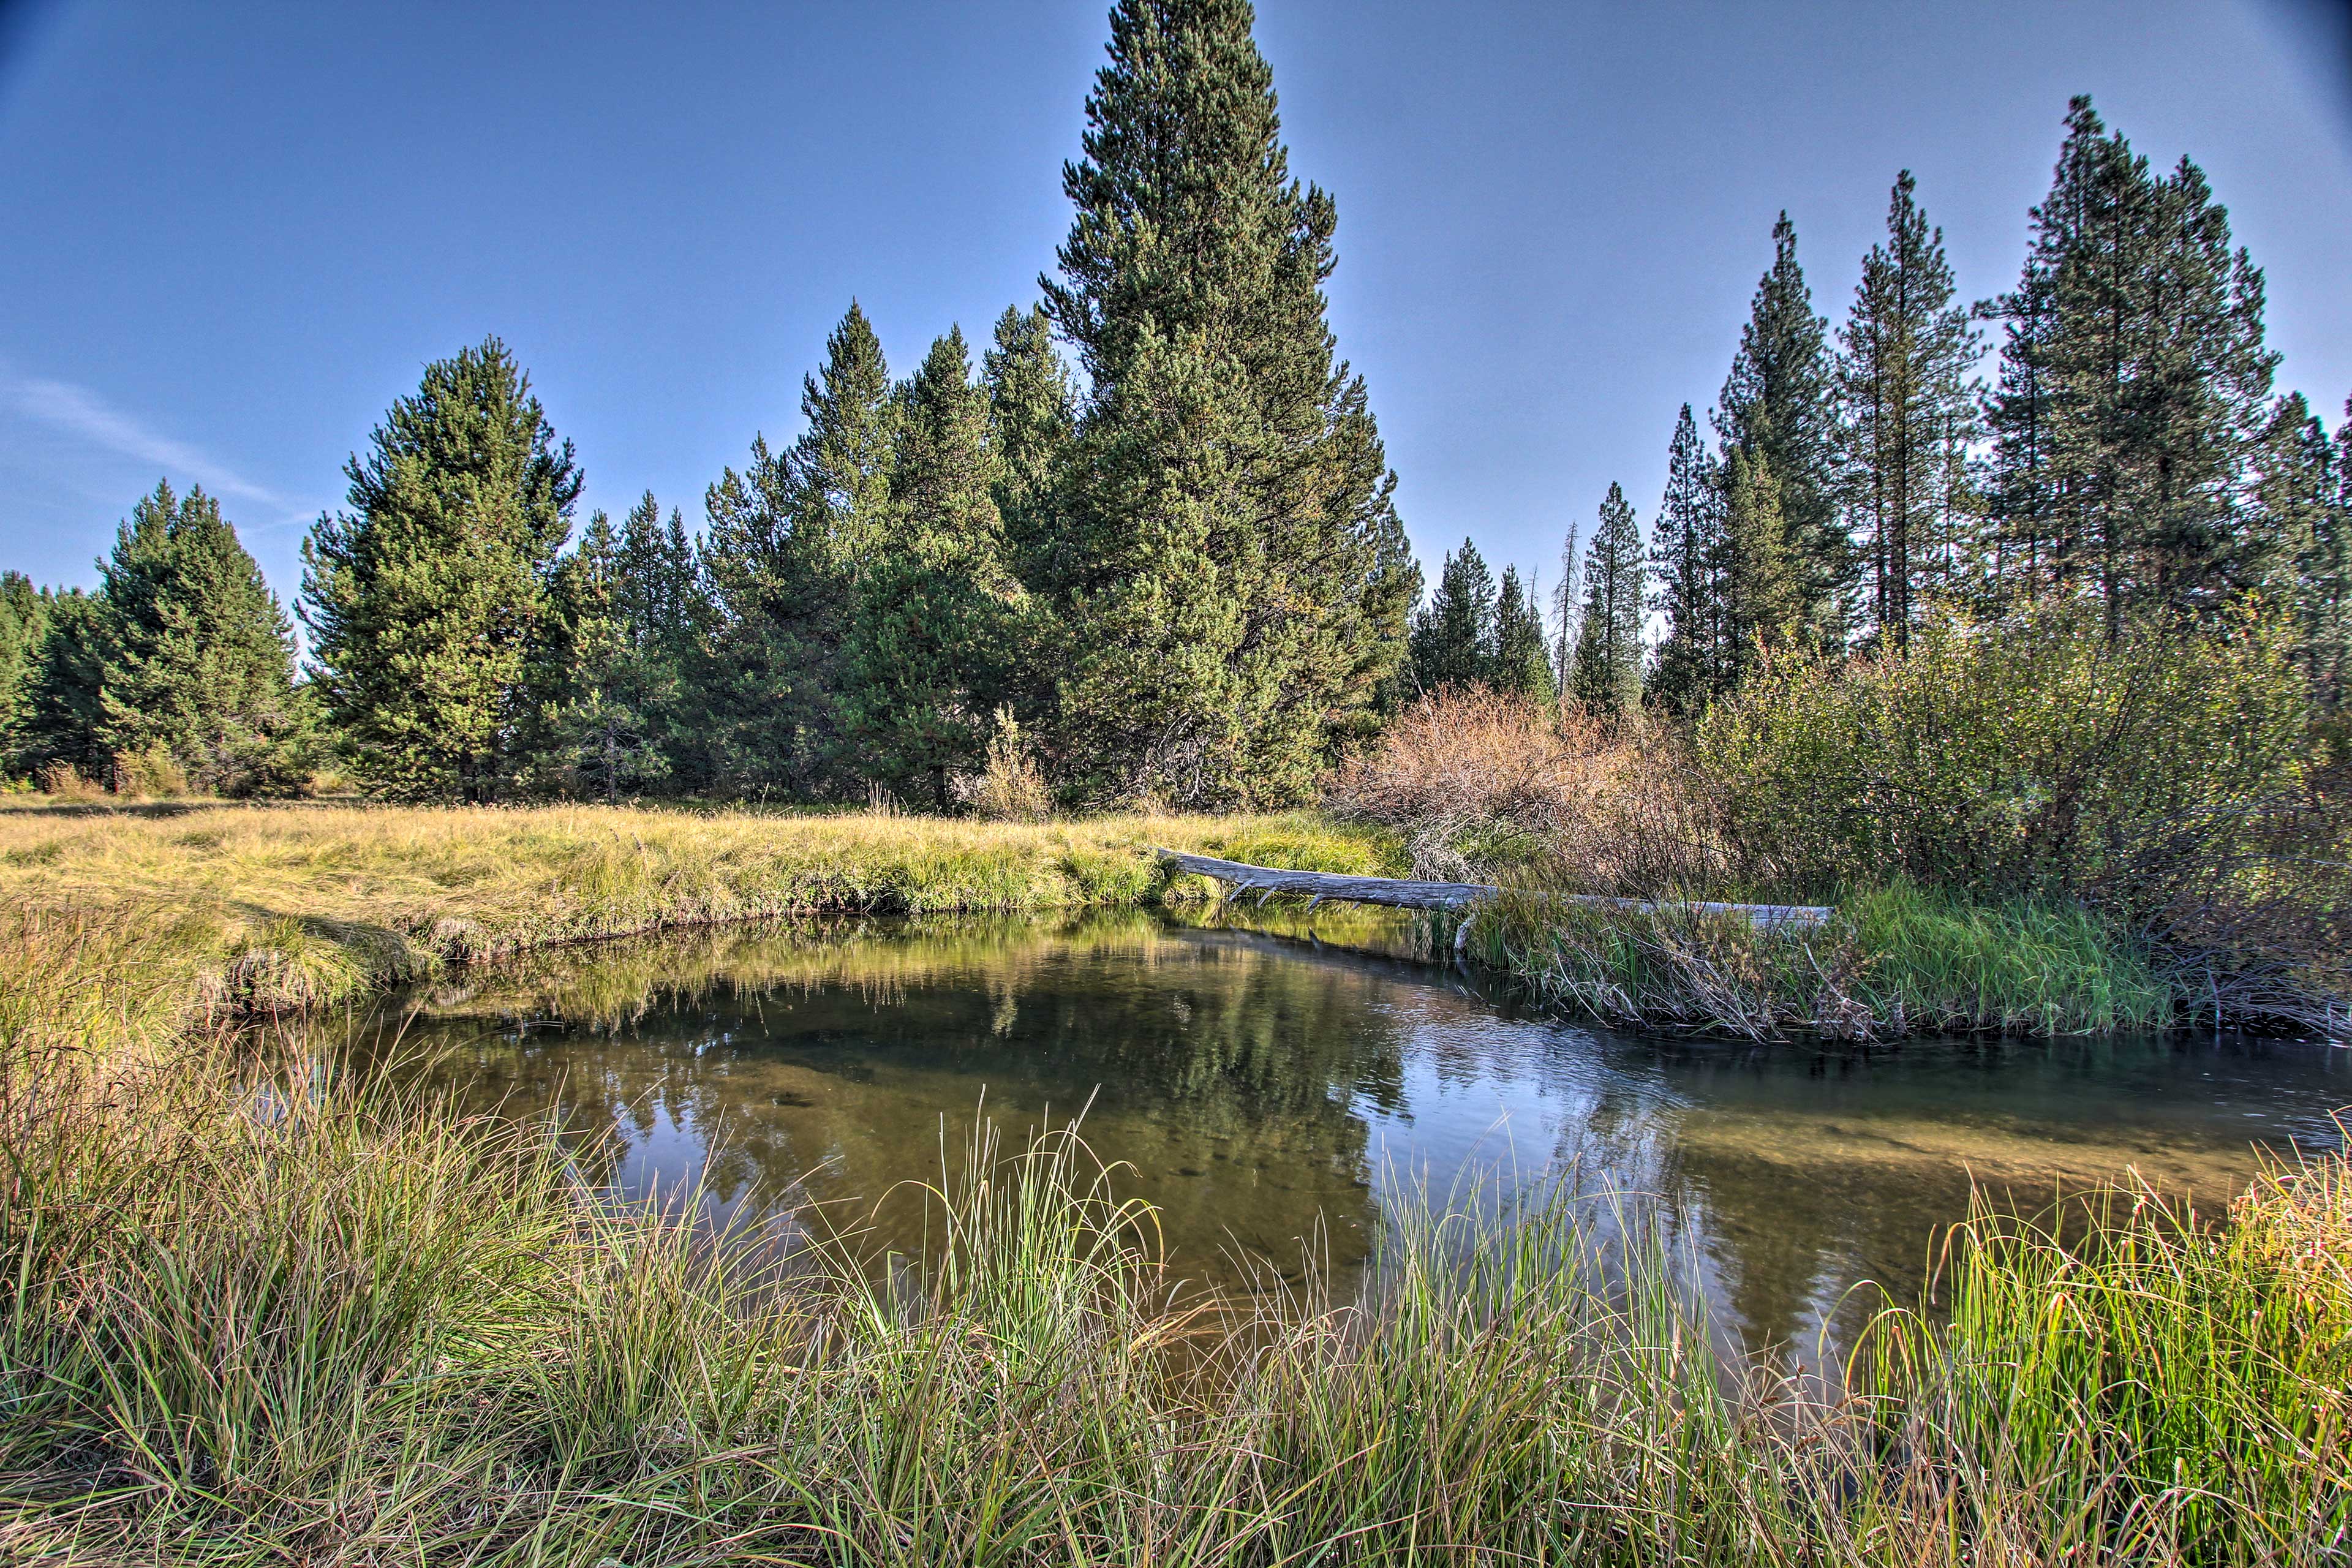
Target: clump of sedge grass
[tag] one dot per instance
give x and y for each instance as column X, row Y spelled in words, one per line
column 2121, row 1378
column 1889, row 962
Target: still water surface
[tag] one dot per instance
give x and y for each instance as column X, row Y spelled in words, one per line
column 1265, row 1088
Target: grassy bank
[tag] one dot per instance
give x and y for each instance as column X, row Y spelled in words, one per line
column 181, row 912
column 1892, row 960
column 261, row 906
column 259, row 1321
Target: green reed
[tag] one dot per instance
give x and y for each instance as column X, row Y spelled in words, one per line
column 1891, row 961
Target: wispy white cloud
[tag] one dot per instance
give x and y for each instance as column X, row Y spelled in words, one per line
column 80, row 412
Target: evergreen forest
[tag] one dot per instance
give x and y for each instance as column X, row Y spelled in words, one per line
column 1144, row 533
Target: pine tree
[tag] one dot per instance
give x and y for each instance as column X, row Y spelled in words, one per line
column 1522, row 663
column 663, row 604
column 194, row 654
column 1909, row 403
column 2324, row 582
column 2301, row 500
column 1031, row 418
column 1762, row 604
column 581, row 738
column 1453, row 635
column 1032, row 424
column 63, row 710
column 938, row 602
column 1392, row 589
column 1686, row 561
column 24, row 623
column 608, row 718
column 422, row 599
column 1567, row 611
column 1776, row 403
column 1607, row 676
column 788, row 541
column 1228, row 591
column 2135, row 388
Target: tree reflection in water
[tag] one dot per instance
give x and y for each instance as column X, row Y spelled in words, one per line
column 1265, row 1088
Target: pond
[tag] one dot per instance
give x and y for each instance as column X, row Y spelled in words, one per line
column 1266, row 1086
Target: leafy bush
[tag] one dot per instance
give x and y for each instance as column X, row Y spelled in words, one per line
column 2163, row 778
column 2026, row 756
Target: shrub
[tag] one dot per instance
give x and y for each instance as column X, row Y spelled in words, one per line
column 2026, row 756
column 1009, row 788
column 153, row 772
column 1480, row 785
column 63, row 781
column 2163, row 777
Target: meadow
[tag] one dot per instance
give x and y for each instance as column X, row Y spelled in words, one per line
column 267, row 1306
column 259, row 908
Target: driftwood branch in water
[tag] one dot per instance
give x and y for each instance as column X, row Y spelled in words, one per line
column 1397, row 893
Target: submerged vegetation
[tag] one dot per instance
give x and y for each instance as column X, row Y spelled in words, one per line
column 262, row 1313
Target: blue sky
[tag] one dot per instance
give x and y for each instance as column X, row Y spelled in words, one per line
column 236, row 232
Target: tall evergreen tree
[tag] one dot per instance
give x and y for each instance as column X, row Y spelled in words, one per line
column 1567, row 610
column 788, row 541
column 24, row 622
column 665, row 609
column 938, row 602
column 1522, row 662
column 1685, row 562
column 1383, row 664
column 1762, row 602
column 1232, row 592
column 194, row 653
column 1607, row 676
column 63, row 711
column 1777, row 403
column 422, row 599
column 1453, row 635
column 2135, row 384
column 1031, row 418
column 1908, row 402
column 580, row 737
column 608, row 717
column 2301, row 499
column 2325, row 580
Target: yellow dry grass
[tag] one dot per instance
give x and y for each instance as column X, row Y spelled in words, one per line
column 270, row 906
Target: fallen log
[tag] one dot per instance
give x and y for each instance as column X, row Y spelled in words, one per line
column 1398, row 893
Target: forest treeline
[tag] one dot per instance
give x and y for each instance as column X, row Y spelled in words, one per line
column 1147, row 536
column 2129, row 456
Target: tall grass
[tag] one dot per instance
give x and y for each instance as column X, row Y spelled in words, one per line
column 263, row 1312
column 1892, row 960
column 268, row 908
column 2134, row 1381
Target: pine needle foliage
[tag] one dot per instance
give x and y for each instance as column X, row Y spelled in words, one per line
column 1236, row 560
column 423, row 600
column 1607, row 674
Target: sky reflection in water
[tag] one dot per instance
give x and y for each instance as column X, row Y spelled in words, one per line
column 1265, row 1088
